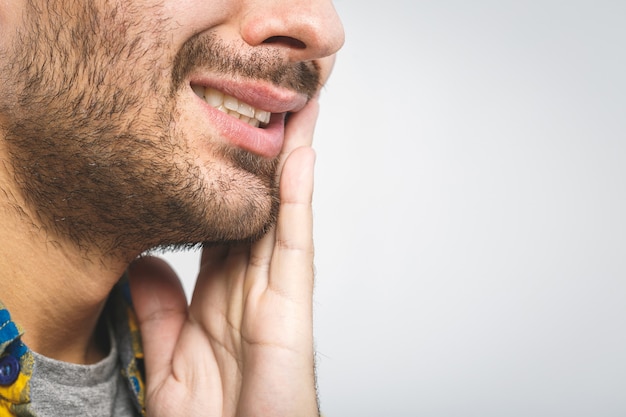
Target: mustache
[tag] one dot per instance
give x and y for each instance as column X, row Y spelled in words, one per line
column 207, row 52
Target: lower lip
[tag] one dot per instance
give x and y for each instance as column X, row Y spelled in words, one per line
column 266, row 142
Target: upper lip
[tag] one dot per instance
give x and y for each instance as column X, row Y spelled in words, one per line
column 259, row 94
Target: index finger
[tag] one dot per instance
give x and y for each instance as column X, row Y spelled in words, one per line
column 299, row 131
column 292, row 260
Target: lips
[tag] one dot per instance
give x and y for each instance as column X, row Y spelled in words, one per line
column 249, row 115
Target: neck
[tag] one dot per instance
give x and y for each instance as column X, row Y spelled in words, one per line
column 55, row 291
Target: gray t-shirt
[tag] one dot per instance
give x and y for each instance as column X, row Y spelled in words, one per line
column 70, row 390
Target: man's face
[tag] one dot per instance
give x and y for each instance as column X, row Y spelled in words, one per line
column 132, row 124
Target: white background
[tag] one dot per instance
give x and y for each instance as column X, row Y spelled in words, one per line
column 470, row 211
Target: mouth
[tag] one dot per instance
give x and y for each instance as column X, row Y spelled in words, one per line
column 248, row 114
column 233, row 107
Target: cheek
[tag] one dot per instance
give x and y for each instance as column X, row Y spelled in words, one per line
column 10, row 15
column 193, row 16
column 326, row 66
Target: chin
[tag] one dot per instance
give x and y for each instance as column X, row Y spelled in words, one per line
column 220, row 224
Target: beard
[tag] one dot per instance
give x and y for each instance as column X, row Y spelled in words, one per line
column 90, row 118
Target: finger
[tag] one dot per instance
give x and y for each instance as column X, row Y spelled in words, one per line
column 161, row 309
column 219, row 288
column 299, row 130
column 298, row 133
column 259, row 263
column 212, row 261
column 218, row 267
column 213, row 254
column 292, row 261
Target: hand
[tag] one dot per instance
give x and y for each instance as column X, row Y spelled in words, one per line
column 244, row 346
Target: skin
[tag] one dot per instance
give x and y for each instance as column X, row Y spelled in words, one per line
column 77, row 135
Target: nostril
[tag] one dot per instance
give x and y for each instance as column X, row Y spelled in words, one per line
column 285, row 41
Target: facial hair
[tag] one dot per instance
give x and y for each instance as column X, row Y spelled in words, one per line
column 90, row 114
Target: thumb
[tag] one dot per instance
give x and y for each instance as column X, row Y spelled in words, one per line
column 161, row 309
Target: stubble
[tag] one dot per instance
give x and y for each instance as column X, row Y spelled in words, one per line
column 90, row 121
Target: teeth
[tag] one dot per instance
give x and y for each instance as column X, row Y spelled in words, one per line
column 213, row 97
column 262, row 116
column 246, row 110
column 231, row 103
column 232, row 106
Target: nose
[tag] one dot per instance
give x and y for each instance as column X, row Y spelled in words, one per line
column 303, row 29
